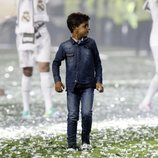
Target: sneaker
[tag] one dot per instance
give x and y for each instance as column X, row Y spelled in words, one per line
column 145, row 107
column 26, row 115
column 50, row 113
column 85, row 146
column 73, row 148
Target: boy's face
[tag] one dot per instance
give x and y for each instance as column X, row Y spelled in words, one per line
column 82, row 30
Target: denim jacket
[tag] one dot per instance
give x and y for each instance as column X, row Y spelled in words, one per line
column 83, row 64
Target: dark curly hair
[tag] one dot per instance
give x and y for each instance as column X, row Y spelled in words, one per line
column 75, row 19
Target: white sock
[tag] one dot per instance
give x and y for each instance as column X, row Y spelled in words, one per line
column 46, row 89
column 152, row 90
column 26, row 85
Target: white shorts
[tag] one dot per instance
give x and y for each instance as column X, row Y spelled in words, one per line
column 42, row 49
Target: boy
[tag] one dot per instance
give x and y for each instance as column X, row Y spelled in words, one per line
column 83, row 75
column 33, row 45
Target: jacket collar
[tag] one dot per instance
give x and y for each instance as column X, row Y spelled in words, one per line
column 82, row 41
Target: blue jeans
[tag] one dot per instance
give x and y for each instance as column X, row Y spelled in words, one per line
column 85, row 96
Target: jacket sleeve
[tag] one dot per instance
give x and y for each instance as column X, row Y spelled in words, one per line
column 57, row 63
column 97, row 63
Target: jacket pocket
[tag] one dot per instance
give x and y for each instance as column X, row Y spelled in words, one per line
column 69, row 54
column 70, row 58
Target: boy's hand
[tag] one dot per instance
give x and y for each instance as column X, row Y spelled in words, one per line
column 59, row 87
column 99, row 87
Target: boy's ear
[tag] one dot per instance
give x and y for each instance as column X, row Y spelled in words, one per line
column 74, row 28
